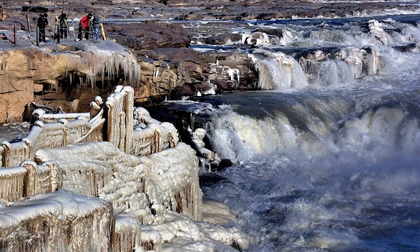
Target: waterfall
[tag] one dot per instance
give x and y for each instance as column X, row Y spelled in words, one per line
column 313, row 125
column 277, row 70
column 329, row 162
column 331, row 171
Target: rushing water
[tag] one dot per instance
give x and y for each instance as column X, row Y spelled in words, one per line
column 322, row 161
column 331, row 165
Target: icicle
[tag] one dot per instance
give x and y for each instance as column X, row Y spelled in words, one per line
column 71, row 78
column 102, row 75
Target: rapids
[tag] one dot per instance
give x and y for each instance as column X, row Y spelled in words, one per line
column 325, row 156
column 325, row 159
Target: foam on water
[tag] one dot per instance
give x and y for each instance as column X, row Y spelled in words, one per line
column 327, row 167
column 298, row 200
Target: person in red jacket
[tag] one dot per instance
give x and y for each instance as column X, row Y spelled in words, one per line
column 84, row 26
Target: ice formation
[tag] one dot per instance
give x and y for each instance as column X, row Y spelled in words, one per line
column 375, row 28
column 257, row 39
column 57, row 221
column 277, row 70
column 112, row 179
column 207, row 157
column 102, row 60
column 224, row 72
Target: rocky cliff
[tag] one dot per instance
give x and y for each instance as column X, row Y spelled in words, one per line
column 68, row 74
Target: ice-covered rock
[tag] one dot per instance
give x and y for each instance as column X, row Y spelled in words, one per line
column 59, row 221
column 376, row 29
column 207, row 157
column 27, row 69
column 153, row 198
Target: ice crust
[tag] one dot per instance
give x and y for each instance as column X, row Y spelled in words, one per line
column 58, row 221
column 108, row 59
column 139, row 191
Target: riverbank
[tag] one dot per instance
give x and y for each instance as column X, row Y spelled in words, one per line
column 165, row 39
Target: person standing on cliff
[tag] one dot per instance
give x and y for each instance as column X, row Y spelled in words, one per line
column 84, row 26
column 42, row 23
column 63, row 25
column 96, row 21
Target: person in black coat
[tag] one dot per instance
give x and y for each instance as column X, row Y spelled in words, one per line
column 63, row 25
column 42, row 24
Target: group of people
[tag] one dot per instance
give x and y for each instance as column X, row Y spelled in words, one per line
column 89, row 24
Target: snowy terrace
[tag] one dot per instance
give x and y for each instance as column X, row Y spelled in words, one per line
column 110, row 121
column 96, row 154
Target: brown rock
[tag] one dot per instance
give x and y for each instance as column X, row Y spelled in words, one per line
column 149, row 35
column 184, row 90
column 29, row 73
column 205, row 88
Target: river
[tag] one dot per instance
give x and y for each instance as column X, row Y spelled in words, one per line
column 326, row 157
column 326, row 162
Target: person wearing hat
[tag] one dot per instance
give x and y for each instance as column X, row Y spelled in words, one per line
column 84, row 26
column 42, row 23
